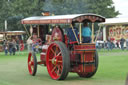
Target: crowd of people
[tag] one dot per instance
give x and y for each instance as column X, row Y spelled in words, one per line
column 11, row 46
column 111, row 44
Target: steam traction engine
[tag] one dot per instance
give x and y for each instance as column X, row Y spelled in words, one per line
column 61, row 56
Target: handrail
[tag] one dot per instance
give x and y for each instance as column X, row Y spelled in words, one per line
column 74, row 33
column 98, row 34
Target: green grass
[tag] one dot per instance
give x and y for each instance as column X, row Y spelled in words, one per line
column 113, row 68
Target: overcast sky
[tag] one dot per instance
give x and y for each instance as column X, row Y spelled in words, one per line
column 122, row 7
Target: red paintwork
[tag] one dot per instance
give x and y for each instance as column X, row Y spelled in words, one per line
column 43, row 53
column 85, row 47
column 21, row 45
column 30, row 63
column 66, row 40
column 54, row 68
column 57, row 34
column 83, row 53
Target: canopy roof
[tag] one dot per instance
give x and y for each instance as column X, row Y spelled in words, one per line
column 115, row 21
column 13, row 32
column 63, row 19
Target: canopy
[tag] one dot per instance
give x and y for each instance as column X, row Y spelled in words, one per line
column 13, row 32
column 63, row 19
column 114, row 21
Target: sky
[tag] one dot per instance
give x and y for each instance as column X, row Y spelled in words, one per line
column 122, row 7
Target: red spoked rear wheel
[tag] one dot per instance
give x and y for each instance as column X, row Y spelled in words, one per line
column 58, row 60
column 32, row 64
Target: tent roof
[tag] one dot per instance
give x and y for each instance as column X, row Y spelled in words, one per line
column 114, row 21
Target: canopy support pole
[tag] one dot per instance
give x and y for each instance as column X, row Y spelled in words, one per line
column 26, row 30
column 38, row 29
column 74, row 33
column 80, row 32
column 92, row 32
column 98, row 33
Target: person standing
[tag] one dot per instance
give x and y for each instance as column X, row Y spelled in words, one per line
column 17, row 43
column 109, row 45
column 86, row 33
column 117, row 44
column 10, row 45
column 29, row 44
column 14, row 46
column 35, row 42
column 127, row 43
column 5, row 47
column 105, row 45
column 97, row 45
column 122, row 40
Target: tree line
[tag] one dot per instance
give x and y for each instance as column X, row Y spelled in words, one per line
column 15, row 10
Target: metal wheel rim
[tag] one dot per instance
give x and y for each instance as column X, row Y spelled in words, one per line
column 30, row 63
column 54, row 61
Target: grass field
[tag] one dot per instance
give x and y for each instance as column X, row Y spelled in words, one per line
column 113, row 68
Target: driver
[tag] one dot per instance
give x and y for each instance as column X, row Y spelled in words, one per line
column 71, row 34
column 86, row 33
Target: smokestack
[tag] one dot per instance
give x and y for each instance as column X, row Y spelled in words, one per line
column 46, row 13
column 5, row 23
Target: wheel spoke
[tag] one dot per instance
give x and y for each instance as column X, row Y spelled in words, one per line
column 53, row 69
column 59, row 61
column 29, row 63
column 59, row 70
column 58, row 53
column 53, row 51
column 61, row 67
column 32, row 67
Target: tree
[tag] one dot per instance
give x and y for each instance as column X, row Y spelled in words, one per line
column 101, row 7
column 15, row 10
column 5, row 8
column 22, row 9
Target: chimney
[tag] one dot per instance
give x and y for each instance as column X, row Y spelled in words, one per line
column 46, row 13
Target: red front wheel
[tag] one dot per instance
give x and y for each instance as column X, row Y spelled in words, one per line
column 58, row 60
column 32, row 64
